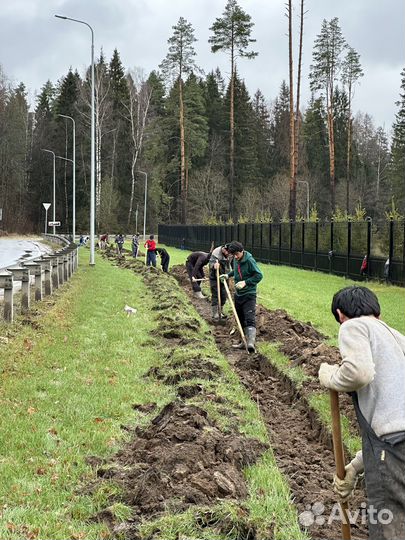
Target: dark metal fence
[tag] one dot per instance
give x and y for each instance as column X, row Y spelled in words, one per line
column 337, row 248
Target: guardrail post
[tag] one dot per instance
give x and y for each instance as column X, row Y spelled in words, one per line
column 60, row 268
column 37, row 269
column 55, row 271
column 46, row 263
column 22, row 274
column 6, row 282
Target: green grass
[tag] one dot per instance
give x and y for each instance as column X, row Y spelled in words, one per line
column 307, row 295
column 283, row 363
column 66, row 390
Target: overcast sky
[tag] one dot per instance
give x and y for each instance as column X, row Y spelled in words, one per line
column 34, row 46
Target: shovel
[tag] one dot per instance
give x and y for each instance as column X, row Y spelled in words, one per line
column 242, row 335
column 339, row 459
column 219, row 294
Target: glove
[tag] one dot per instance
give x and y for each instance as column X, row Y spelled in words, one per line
column 325, row 373
column 193, row 279
column 240, row 285
column 344, row 488
column 216, row 265
column 224, row 277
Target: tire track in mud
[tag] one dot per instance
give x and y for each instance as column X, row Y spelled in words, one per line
column 300, row 443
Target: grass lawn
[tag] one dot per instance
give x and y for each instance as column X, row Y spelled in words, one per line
column 307, row 295
column 67, row 388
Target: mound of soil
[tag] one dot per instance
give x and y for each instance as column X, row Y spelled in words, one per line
column 182, row 459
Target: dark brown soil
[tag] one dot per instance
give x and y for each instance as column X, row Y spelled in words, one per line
column 301, row 444
column 182, row 458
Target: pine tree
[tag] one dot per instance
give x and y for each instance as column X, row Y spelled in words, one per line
column 397, row 169
column 231, row 34
column 351, row 72
column 180, row 61
column 328, row 48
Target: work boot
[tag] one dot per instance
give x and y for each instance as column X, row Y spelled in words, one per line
column 250, row 333
column 239, row 345
column 198, row 294
column 215, row 315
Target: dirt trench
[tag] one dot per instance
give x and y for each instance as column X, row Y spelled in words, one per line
column 301, row 444
column 181, row 459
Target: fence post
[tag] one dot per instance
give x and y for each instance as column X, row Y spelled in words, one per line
column 302, row 242
column 270, row 239
column 261, row 240
column 60, row 267
column 291, row 240
column 369, row 222
column 6, row 282
column 349, row 245
column 391, row 249
column 316, row 243
column 22, row 274
column 331, row 245
column 279, row 243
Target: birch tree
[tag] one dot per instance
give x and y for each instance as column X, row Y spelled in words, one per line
column 231, row 34
column 137, row 108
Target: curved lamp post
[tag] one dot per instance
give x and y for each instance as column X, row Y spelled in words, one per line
column 74, row 174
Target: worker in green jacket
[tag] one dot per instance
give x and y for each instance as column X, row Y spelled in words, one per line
column 247, row 275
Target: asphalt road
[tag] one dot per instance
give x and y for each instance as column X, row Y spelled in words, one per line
column 13, row 250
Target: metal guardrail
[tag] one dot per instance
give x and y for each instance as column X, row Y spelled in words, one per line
column 333, row 247
column 49, row 271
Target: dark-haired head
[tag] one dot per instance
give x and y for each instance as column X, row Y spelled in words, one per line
column 235, row 247
column 355, row 302
column 151, row 237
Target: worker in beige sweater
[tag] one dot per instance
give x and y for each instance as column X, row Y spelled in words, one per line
column 373, row 371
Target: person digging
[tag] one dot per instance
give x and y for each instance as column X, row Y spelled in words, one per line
column 247, row 275
column 373, row 371
column 195, row 269
column 219, row 262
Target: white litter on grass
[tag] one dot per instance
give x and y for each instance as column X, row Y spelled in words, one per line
column 130, row 310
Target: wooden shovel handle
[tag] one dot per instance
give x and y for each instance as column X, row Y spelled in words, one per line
column 235, row 314
column 219, row 293
column 339, row 458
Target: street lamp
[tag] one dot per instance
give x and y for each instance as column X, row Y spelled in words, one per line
column 307, row 187
column 93, row 154
column 71, row 161
column 54, row 187
column 144, row 209
column 74, row 175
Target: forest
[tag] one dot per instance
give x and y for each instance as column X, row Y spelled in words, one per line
column 212, row 152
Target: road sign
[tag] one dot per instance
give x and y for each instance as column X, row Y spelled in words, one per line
column 46, row 205
column 54, row 223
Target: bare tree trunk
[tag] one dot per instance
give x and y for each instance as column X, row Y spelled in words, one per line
column 349, row 151
column 182, row 156
column 331, row 140
column 115, row 137
column 232, row 136
column 293, row 183
column 297, row 105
